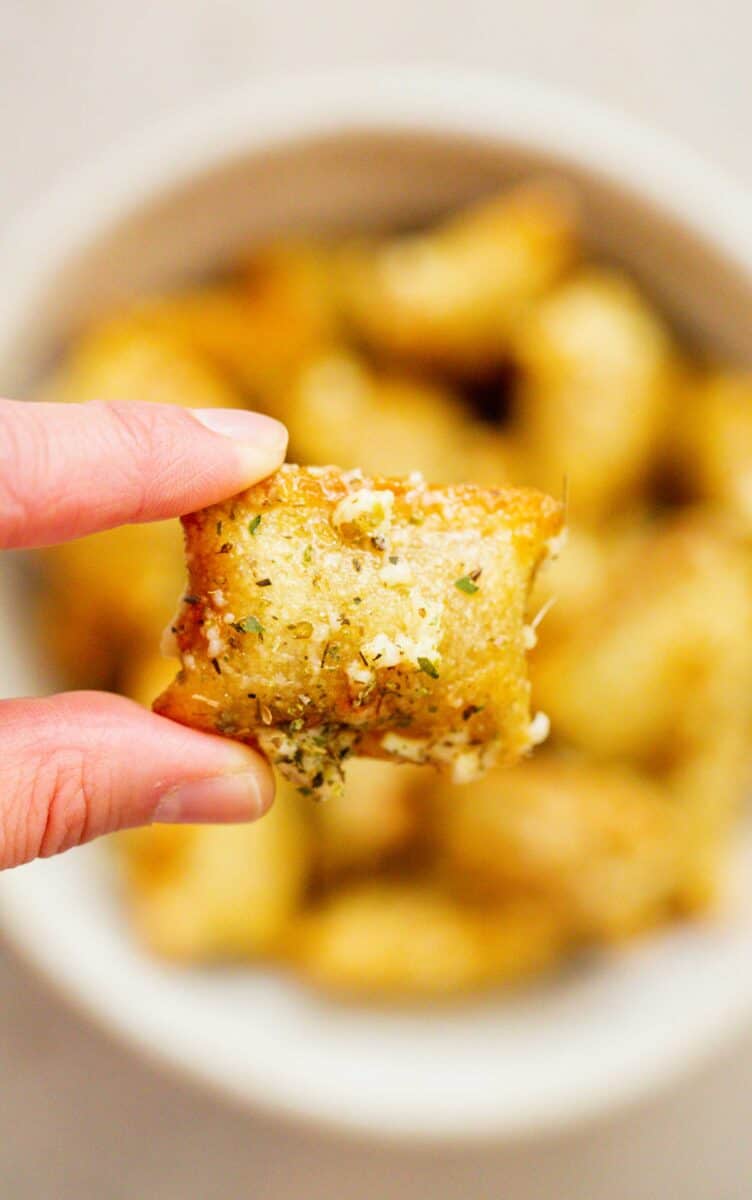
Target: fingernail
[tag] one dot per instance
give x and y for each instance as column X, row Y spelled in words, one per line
column 252, row 429
column 222, row 799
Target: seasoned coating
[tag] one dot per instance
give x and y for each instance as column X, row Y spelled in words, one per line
column 451, row 297
column 198, row 893
column 601, row 844
column 711, row 447
column 597, row 371
column 412, row 941
column 411, row 425
column 332, row 614
column 664, row 658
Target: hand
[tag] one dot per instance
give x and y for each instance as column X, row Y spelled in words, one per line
column 75, row 766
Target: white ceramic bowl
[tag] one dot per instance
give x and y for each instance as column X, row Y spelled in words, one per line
column 329, row 153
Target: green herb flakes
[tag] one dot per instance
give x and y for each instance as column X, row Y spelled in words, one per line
column 428, row 668
column 249, row 625
column 465, row 584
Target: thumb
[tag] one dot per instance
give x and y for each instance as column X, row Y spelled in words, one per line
column 76, row 766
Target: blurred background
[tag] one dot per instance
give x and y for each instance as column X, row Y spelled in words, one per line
column 72, row 82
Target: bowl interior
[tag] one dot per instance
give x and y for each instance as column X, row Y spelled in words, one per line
column 353, row 181
column 572, row 1047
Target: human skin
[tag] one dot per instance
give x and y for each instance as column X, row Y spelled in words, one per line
column 82, row 764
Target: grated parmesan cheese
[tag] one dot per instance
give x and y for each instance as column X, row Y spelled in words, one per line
column 368, row 512
column 539, row 729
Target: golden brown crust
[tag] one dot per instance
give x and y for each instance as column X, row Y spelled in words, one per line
column 330, row 614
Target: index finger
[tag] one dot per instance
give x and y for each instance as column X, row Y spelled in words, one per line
column 67, row 470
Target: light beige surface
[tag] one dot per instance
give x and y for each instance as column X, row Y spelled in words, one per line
column 79, row 1118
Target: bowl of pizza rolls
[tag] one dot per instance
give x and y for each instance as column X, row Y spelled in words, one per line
column 491, row 622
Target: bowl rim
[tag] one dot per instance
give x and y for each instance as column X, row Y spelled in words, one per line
column 699, row 195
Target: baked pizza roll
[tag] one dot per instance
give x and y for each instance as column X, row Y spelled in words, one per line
column 331, row 614
column 199, row 893
column 375, row 822
column 597, row 369
column 663, row 662
column 710, row 784
column 451, row 297
column 131, row 358
column 568, row 586
column 339, row 409
column 600, row 842
column 711, row 446
column 258, row 326
column 412, row 940
column 108, row 597
column 111, row 593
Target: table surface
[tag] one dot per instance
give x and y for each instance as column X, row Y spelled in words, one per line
column 80, row 1119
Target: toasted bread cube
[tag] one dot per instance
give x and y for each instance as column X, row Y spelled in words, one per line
column 331, row 614
column 712, row 447
column 601, row 843
column 376, row 819
column 202, row 893
column 339, row 410
column 452, row 296
column 597, row 372
column 412, row 941
column 664, row 658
